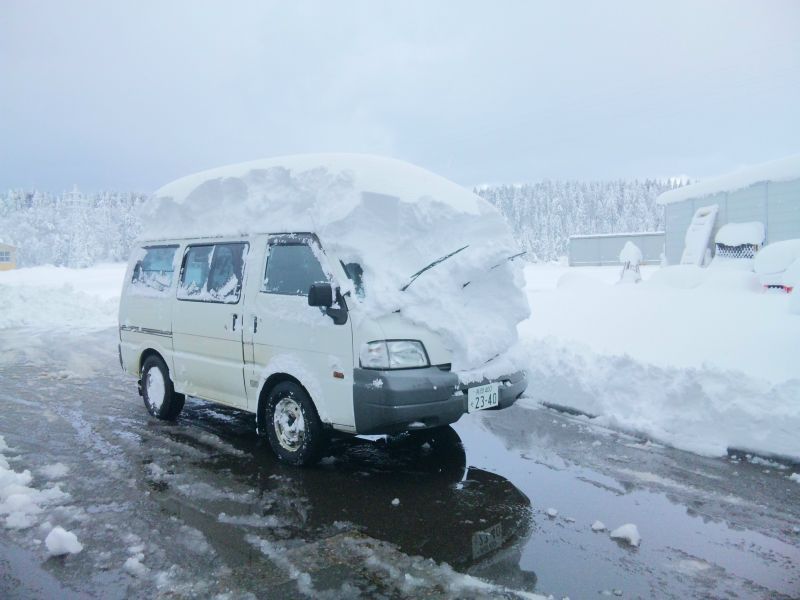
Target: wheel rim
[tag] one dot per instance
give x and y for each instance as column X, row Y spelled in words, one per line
column 154, row 384
column 289, row 424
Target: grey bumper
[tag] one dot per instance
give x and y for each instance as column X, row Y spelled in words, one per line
column 394, row 401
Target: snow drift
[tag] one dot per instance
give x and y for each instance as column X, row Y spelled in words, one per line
column 392, row 218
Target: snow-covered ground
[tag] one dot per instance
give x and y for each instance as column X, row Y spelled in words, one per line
column 49, row 297
column 697, row 359
column 700, row 359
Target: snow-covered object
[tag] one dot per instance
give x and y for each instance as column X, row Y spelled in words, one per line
column 390, row 217
column 631, row 258
column 698, row 235
column 60, row 541
column 630, row 254
column 784, row 169
column 791, row 276
column 794, row 301
column 736, row 234
column 627, row 533
column 772, row 261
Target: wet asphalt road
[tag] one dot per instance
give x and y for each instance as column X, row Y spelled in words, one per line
column 200, row 507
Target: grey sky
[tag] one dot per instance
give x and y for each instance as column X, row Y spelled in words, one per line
column 129, row 95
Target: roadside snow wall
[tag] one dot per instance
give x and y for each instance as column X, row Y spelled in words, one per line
column 389, row 216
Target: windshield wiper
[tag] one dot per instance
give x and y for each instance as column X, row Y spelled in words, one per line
column 502, row 262
column 430, row 266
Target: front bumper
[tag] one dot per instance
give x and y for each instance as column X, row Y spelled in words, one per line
column 402, row 400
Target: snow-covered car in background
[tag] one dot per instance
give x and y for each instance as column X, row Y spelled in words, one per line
column 775, row 265
column 344, row 292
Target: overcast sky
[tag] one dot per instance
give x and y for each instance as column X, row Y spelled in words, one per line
column 129, row 95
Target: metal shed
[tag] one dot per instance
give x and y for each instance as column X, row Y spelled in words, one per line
column 8, row 257
column 769, row 193
column 604, row 248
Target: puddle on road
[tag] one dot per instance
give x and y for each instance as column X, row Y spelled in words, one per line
column 417, row 493
column 684, row 552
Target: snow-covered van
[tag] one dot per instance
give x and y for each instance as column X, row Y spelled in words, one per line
column 324, row 292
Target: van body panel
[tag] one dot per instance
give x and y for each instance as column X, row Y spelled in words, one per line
column 145, row 317
column 226, row 351
column 283, row 334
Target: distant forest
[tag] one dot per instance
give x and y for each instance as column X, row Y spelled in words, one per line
column 543, row 215
column 77, row 229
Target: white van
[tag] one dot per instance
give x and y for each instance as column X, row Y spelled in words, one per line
column 276, row 323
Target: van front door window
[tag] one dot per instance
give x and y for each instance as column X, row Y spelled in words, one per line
column 291, row 269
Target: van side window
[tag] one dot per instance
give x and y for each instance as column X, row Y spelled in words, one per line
column 213, row 273
column 153, row 273
column 291, row 269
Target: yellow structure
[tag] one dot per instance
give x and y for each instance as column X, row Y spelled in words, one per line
column 8, row 257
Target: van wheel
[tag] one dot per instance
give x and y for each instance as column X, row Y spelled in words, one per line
column 293, row 426
column 158, row 393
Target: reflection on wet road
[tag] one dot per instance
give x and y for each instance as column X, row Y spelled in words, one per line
column 201, row 507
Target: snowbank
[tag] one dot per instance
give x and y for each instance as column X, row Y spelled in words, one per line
column 783, row 169
column 49, row 297
column 691, row 358
column 390, row 217
column 681, row 316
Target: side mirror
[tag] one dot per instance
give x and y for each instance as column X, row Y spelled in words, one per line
column 137, row 271
column 321, row 294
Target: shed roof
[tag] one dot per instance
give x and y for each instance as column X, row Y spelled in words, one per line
column 783, row 169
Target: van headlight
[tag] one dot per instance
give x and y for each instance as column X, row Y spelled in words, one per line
column 393, row 354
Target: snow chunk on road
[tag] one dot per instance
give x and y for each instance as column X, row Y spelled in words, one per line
column 598, row 526
column 552, row 513
column 795, row 477
column 627, row 533
column 134, row 566
column 60, row 541
column 54, row 471
column 396, row 502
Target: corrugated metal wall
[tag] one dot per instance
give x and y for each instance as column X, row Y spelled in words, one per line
column 604, row 249
column 777, row 205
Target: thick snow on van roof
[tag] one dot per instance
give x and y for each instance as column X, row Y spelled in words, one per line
column 391, row 217
column 783, row 169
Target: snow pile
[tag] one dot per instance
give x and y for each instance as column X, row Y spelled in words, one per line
column 598, row 526
column 703, row 369
column 390, row 217
column 60, row 541
column 736, row 234
column 783, row 169
column 630, row 254
column 51, row 297
column 627, row 533
column 19, row 502
column 773, row 260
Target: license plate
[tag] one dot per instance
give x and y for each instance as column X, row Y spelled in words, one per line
column 483, row 396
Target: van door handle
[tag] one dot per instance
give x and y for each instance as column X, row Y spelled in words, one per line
column 235, row 318
column 255, row 323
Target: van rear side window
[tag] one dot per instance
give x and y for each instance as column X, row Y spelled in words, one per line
column 213, row 273
column 153, row 273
